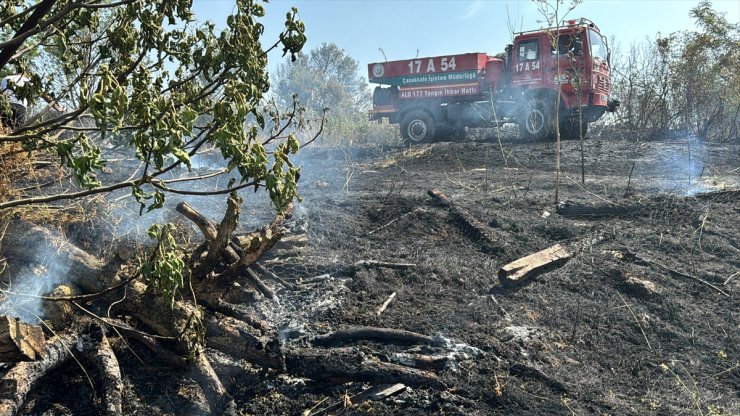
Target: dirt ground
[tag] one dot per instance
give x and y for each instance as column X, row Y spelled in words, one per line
column 644, row 319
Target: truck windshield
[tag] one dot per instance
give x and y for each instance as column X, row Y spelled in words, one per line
column 598, row 48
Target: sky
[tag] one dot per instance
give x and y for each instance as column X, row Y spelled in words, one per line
column 403, row 28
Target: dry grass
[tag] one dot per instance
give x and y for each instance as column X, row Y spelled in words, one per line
column 20, row 178
column 14, row 165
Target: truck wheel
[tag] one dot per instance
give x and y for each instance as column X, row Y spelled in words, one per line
column 418, row 127
column 569, row 129
column 536, row 121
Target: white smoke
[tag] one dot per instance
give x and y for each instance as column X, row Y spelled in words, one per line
column 20, row 296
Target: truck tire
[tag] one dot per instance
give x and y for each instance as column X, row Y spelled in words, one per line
column 569, row 129
column 536, row 121
column 418, row 127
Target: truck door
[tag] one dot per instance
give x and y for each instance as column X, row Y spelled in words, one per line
column 527, row 65
column 568, row 55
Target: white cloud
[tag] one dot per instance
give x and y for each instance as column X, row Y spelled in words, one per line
column 472, row 9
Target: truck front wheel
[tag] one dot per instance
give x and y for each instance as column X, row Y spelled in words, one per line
column 418, row 127
column 536, row 121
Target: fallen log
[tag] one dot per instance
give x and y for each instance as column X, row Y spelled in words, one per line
column 367, row 333
column 421, row 361
column 110, row 374
column 255, row 280
column 475, row 230
column 342, row 366
column 20, row 379
column 571, row 209
column 520, row 270
column 20, row 341
column 80, row 267
column 219, row 400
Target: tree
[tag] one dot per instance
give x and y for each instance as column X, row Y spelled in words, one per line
column 553, row 15
column 326, row 78
column 711, row 88
column 148, row 78
column 684, row 81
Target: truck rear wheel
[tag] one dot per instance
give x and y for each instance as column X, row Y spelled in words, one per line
column 418, row 127
column 536, row 121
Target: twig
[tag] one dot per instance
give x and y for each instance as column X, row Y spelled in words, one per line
column 629, row 180
column 37, row 186
column 308, row 412
column 680, row 274
column 386, row 264
column 636, row 321
column 385, row 304
column 730, row 278
column 273, row 276
column 120, row 325
column 591, row 193
column 395, row 220
column 500, row 308
column 72, row 298
column 528, row 184
column 723, row 372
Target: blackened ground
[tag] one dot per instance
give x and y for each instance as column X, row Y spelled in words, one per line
column 578, row 339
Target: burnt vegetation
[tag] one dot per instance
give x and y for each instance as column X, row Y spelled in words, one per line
column 183, row 240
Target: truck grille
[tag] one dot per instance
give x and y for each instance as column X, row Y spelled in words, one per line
column 602, row 83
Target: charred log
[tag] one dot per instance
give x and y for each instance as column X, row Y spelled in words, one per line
column 20, row 341
column 382, row 335
column 110, row 374
column 20, row 379
column 220, row 401
column 341, row 366
column 570, row 209
column 475, row 230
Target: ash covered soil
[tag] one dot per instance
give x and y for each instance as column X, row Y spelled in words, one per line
column 643, row 319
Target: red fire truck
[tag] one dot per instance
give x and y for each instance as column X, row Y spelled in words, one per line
column 437, row 97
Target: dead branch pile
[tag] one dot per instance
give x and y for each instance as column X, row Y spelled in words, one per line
column 215, row 314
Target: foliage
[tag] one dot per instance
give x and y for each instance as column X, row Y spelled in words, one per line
column 684, row 81
column 153, row 81
column 325, row 77
column 164, row 271
column 328, row 79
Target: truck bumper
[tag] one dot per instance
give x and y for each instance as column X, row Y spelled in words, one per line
column 612, row 105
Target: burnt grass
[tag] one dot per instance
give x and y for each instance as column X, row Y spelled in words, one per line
column 578, row 339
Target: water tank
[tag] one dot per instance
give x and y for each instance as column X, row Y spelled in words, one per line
column 495, row 73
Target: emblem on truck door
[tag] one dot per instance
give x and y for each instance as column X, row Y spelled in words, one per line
column 378, row 70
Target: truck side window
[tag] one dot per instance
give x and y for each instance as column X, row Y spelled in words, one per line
column 568, row 44
column 529, row 50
